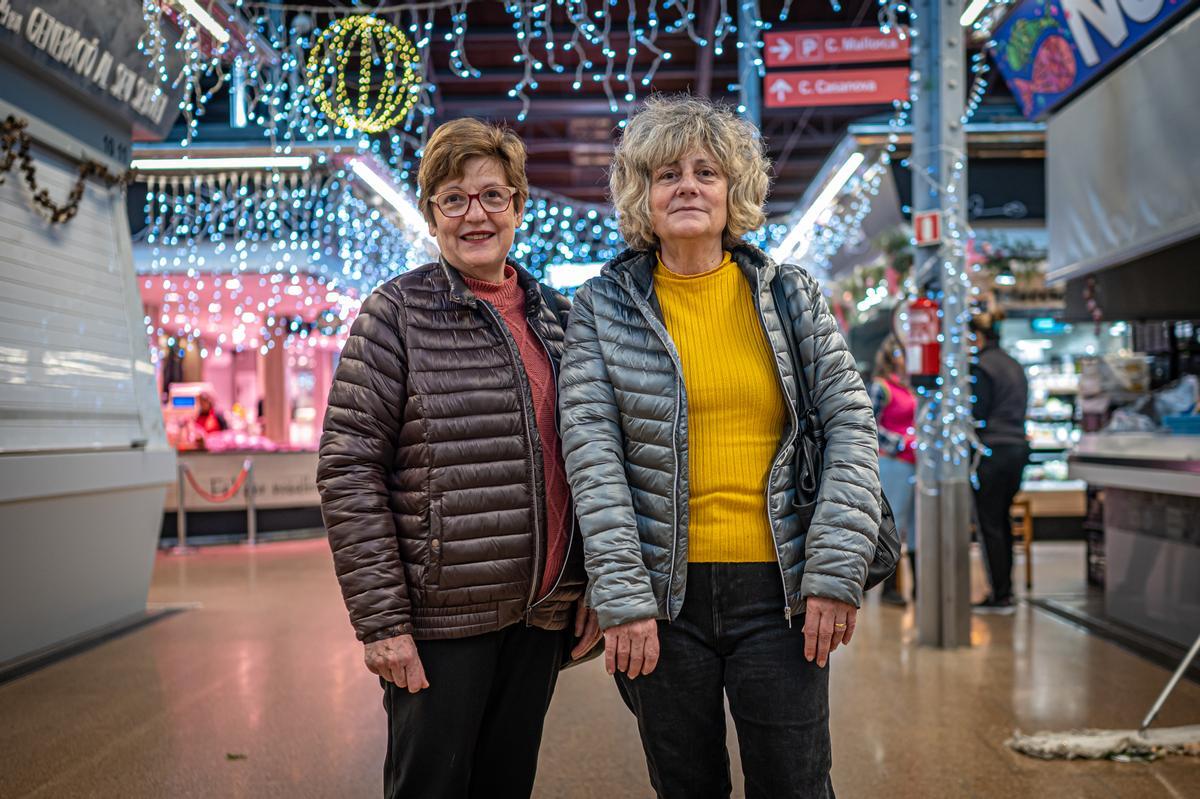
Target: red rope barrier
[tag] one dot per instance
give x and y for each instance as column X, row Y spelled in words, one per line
column 228, row 495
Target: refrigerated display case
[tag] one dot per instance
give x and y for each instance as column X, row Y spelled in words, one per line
column 1052, row 353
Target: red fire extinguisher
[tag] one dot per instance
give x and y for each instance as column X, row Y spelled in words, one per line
column 924, row 354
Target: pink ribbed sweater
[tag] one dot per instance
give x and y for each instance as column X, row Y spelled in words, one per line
column 509, row 299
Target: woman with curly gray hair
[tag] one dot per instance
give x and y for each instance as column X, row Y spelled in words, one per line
column 680, row 422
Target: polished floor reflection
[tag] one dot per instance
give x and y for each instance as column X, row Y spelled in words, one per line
column 258, row 690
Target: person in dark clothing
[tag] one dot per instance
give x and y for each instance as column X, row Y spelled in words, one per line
column 1001, row 399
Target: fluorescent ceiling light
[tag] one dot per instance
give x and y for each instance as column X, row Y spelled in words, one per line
column 972, row 12
column 568, row 276
column 231, row 162
column 819, row 205
column 201, row 15
column 388, row 193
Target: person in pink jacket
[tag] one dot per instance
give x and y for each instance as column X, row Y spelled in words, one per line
column 895, row 406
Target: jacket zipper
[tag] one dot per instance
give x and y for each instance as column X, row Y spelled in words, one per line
column 557, row 426
column 669, row 345
column 762, row 319
column 530, row 433
column 561, row 571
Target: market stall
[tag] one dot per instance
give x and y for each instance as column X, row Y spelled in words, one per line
column 251, row 269
column 1054, row 353
column 1151, row 486
column 1124, row 238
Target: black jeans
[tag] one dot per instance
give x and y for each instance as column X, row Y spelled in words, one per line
column 999, row 482
column 731, row 639
column 475, row 731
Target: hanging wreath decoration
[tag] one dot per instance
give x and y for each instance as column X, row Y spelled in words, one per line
column 363, row 44
column 15, row 144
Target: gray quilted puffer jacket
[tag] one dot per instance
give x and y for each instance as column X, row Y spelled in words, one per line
column 625, row 437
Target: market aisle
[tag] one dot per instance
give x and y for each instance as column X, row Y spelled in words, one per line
column 266, row 670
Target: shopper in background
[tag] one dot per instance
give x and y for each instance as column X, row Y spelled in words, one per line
column 1001, row 402
column 895, row 406
column 208, row 419
column 444, row 492
column 679, row 442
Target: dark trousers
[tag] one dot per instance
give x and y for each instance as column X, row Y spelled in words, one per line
column 999, row 482
column 475, row 731
column 731, row 640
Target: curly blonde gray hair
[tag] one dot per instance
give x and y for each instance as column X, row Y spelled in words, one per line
column 665, row 130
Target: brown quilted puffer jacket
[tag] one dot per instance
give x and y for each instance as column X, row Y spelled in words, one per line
column 430, row 469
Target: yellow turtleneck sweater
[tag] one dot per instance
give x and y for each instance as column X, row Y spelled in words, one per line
column 736, row 412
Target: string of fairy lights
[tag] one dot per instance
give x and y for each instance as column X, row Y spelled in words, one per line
column 311, row 74
column 318, row 73
column 948, row 434
column 947, row 437
column 307, row 94
column 981, row 30
column 325, row 43
column 311, row 234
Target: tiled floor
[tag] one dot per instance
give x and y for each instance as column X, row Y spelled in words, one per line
column 264, row 667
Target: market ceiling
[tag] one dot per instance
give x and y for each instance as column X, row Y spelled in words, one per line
column 570, row 132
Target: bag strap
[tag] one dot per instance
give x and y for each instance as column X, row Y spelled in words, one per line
column 808, row 472
column 550, row 297
column 804, row 392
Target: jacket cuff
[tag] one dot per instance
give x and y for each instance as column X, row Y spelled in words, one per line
column 388, row 632
column 624, row 611
column 842, row 589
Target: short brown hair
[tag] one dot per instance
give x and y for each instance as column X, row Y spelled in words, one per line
column 458, row 141
column 664, row 130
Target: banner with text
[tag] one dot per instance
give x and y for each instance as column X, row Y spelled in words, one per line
column 833, row 46
column 93, row 47
column 1048, row 50
column 840, row 87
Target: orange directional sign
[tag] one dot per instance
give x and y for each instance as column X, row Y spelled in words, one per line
column 840, row 87
column 833, row 46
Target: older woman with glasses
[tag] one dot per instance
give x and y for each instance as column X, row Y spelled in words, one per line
column 680, row 422
column 444, row 491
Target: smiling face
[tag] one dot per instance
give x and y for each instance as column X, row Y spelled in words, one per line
column 689, row 199
column 477, row 242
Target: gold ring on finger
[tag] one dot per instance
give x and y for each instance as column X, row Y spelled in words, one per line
column 839, row 626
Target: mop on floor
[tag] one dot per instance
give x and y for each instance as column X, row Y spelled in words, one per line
column 1122, row 745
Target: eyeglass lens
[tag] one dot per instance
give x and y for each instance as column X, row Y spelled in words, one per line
column 493, row 200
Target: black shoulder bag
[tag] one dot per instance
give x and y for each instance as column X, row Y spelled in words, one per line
column 560, row 308
column 810, row 457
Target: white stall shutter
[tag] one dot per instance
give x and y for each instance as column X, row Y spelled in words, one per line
column 70, row 348
column 1123, row 167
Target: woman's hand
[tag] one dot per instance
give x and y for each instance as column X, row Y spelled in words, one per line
column 631, row 647
column 587, row 630
column 396, row 660
column 828, row 623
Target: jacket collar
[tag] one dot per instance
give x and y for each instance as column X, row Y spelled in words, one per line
column 637, row 266
column 460, row 293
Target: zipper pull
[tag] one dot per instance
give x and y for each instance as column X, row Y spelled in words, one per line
column 787, row 614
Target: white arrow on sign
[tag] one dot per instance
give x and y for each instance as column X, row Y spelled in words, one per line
column 781, row 89
column 781, row 49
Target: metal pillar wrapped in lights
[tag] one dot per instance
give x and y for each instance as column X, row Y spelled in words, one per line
column 944, row 425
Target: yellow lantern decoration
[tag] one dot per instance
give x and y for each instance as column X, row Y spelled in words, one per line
column 363, row 105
